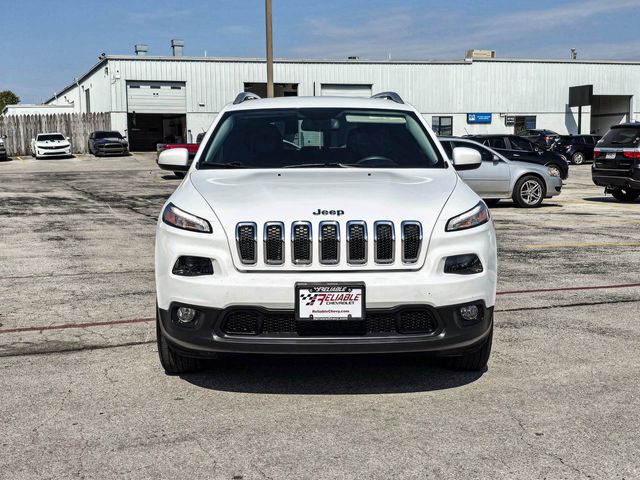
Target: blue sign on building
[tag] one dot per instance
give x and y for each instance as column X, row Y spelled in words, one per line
column 478, row 118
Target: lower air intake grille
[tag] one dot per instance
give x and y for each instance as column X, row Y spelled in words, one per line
column 411, row 241
column 242, row 322
column 410, row 320
column 247, row 242
column 301, row 243
column 384, row 242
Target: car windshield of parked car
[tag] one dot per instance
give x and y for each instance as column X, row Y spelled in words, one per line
column 622, row 137
column 521, row 144
column 320, row 137
column 50, row 137
column 100, row 135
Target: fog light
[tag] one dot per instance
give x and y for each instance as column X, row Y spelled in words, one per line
column 470, row 312
column 185, row 314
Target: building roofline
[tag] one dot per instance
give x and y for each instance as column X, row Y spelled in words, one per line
column 168, row 58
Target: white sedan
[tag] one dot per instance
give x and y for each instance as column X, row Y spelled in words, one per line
column 50, row 145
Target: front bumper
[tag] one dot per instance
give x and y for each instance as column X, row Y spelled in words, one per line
column 554, row 186
column 111, row 149
column 58, row 152
column 451, row 335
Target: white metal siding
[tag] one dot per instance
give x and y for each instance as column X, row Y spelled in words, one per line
column 156, row 97
column 345, row 90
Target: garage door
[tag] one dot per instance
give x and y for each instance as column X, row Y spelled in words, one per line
column 345, row 90
column 156, row 97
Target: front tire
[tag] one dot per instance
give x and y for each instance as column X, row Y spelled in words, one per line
column 172, row 362
column 625, row 194
column 577, row 158
column 473, row 361
column 529, row 192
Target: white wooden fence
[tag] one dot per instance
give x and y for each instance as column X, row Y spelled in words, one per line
column 20, row 129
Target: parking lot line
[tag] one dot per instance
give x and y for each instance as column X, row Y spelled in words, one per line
column 540, row 246
column 151, row 319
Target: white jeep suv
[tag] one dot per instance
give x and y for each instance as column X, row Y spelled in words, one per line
column 323, row 225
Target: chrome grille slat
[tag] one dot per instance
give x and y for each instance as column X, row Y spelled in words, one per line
column 247, row 242
column 357, row 242
column 384, row 241
column 329, row 242
column 411, row 231
column 274, row 243
column 301, row 243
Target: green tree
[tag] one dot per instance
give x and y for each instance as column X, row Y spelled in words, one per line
column 7, row 97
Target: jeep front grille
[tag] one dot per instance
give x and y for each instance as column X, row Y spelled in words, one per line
column 357, row 242
column 411, row 241
column 329, row 238
column 274, row 243
column 301, row 246
column 247, row 242
column 358, row 251
column 384, row 240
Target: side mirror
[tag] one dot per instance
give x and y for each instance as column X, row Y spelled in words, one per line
column 4, row 136
column 68, row 139
column 466, row 158
column 496, row 159
column 174, row 159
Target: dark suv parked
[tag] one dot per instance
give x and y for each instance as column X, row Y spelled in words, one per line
column 517, row 148
column 616, row 162
column 542, row 138
column 577, row 148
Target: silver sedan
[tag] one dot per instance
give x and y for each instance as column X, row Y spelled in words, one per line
column 527, row 184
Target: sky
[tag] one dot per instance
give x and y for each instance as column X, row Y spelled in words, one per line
column 44, row 44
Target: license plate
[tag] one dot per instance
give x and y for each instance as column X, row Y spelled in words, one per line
column 611, row 156
column 329, row 302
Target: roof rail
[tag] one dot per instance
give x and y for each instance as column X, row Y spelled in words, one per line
column 244, row 96
column 393, row 96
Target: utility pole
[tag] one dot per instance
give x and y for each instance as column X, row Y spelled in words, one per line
column 267, row 8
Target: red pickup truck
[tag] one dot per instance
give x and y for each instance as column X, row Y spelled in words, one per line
column 191, row 147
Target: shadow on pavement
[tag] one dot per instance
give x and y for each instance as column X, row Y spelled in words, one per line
column 608, row 200
column 509, row 204
column 329, row 375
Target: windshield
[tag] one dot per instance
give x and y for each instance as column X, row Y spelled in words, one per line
column 320, row 137
column 108, row 135
column 621, row 137
column 50, row 137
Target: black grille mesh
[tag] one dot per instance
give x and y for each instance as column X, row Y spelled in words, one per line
column 357, row 243
column 301, row 243
column 330, row 244
column 416, row 321
column 411, row 242
column 254, row 322
column 384, row 243
column 273, row 244
column 247, row 243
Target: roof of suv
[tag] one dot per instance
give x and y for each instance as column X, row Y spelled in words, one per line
column 321, row 102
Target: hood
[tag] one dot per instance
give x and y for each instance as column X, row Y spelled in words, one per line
column 53, row 143
column 303, row 194
column 110, row 140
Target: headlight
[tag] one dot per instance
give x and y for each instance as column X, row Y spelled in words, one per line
column 175, row 217
column 478, row 215
column 554, row 171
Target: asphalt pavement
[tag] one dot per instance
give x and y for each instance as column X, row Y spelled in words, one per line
column 82, row 394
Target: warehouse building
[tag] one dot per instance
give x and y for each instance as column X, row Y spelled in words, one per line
column 174, row 98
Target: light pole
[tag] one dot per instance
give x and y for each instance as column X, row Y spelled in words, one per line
column 267, row 8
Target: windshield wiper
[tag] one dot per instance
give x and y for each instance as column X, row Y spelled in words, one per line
column 319, row 165
column 206, row 165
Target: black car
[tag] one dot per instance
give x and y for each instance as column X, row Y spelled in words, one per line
column 108, row 143
column 577, row 148
column 616, row 162
column 517, row 148
column 542, row 138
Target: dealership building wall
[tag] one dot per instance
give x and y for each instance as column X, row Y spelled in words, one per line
column 149, row 96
